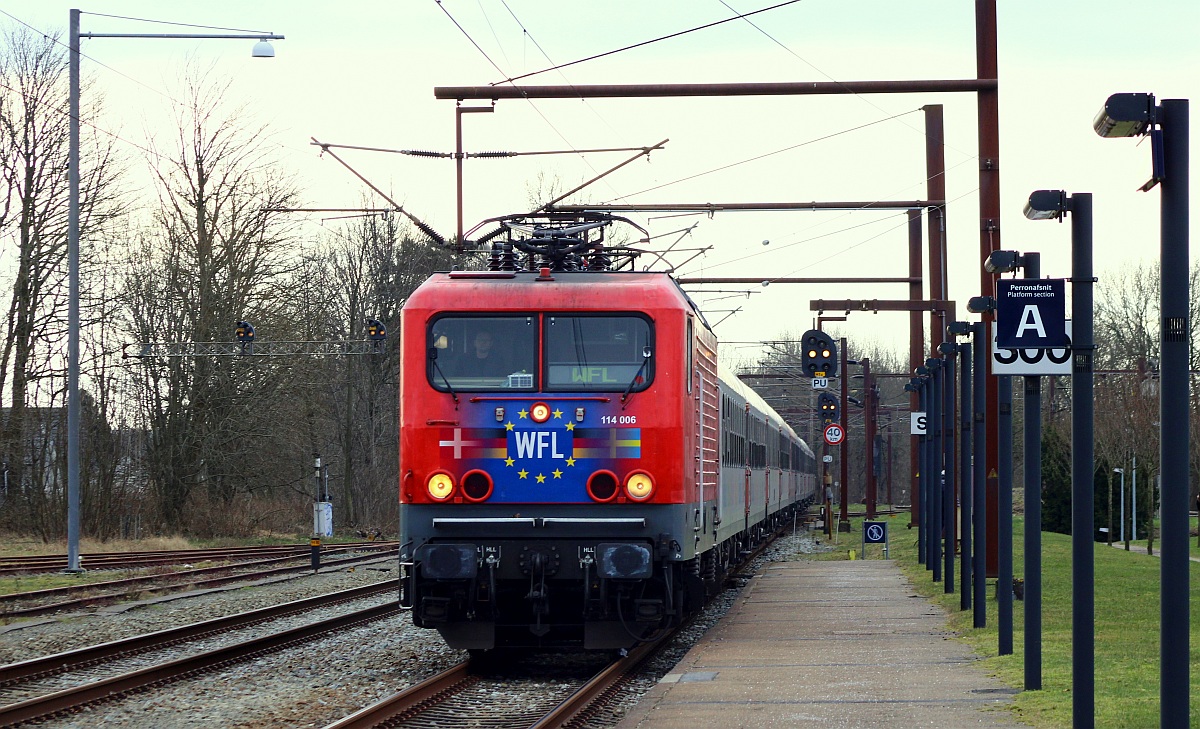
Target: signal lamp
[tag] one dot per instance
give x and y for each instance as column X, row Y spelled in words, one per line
column 476, row 486
column 540, row 412
column 602, row 486
column 440, row 486
column 819, row 354
column 639, row 485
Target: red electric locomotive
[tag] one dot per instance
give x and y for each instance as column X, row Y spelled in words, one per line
column 576, row 471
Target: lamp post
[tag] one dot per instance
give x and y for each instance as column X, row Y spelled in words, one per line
column 262, row 49
column 1122, row 472
column 965, row 487
column 1167, row 124
column 1053, row 205
column 948, row 350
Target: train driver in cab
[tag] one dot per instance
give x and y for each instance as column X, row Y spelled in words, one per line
column 483, row 358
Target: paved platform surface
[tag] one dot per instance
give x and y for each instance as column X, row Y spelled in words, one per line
column 829, row 644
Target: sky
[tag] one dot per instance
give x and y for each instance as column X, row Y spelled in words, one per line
column 363, row 73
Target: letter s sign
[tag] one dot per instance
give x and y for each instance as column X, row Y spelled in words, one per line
column 919, row 423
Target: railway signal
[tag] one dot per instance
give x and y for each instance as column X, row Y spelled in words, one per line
column 376, row 331
column 819, row 354
column 828, row 403
column 245, row 336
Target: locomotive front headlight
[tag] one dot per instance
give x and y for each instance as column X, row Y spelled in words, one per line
column 540, row 412
column 639, row 485
column 440, row 486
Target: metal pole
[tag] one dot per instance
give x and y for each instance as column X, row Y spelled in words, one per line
column 843, row 513
column 1083, row 591
column 923, row 522
column 73, row 304
column 1133, row 499
column 948, row 381
column 916, row 343
column 1033, row 513
column 1004, row 584
column 1123, row 539
column 872, row 486
column 1173, row 404
column 935, row 466
column 964, row 471
column 979, row 348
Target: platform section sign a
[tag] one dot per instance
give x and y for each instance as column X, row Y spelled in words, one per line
column 1031, row 313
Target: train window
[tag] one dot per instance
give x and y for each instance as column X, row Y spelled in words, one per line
column 482, row 353
column 599, row 353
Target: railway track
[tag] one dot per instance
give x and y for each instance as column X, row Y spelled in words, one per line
column 541, row 700
column 52, row 685
column 96, row 593
column 466, row 690
column 31, row 564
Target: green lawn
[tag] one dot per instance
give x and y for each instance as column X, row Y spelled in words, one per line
column 1127, row 628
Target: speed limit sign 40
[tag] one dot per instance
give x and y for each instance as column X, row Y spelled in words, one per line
column 834, row 434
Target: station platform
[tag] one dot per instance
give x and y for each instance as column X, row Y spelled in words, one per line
column 829, row 644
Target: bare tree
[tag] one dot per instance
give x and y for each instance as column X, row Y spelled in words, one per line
column 218, row 256
column 34, row 206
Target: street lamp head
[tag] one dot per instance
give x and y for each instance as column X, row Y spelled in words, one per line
column 263, row 49
column 1046, row 205
column 922, row 371
column 947, row 348
column 1125, row 115
column 1002, row 261
column 958, row 328
column 1119, row 470
column 981, row 304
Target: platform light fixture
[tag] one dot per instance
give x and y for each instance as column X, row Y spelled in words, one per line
column 1125, row 115
column 1002, row 262
column 1046, row 205
column 981, row 304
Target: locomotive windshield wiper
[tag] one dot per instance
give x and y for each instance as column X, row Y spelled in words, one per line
column 637, row 375
column 433, row 359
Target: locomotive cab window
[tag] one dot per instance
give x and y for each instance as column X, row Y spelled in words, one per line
column 599, row 353
column 482, row 353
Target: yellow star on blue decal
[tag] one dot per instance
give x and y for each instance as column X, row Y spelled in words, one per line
column 523, row 414
column 570, row 461
column 508, row 461
column 557, row 414
column 522, row 473
column 508, row 426
column 557, row 473
column 541, row 478
column 570, row 426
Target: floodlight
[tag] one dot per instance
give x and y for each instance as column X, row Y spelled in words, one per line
column 922, row 371
column 981, row 304
column 1125, row 115
column 1002, row 262
column 958, row 328
column 262, row 49
column 947, row 348
column 1046, row 205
